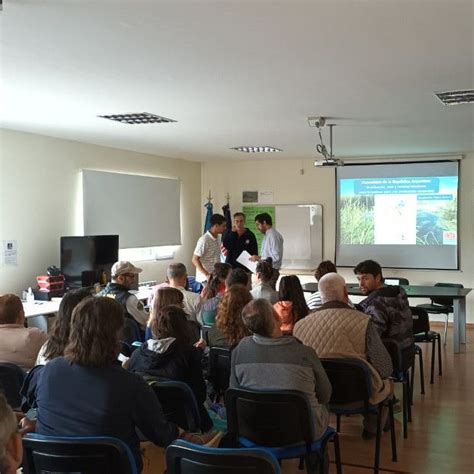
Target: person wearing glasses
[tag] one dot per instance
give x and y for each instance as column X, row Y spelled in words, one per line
column 123, row 277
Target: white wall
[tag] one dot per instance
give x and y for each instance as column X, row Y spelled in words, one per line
column 39, row 187
column 299, row 182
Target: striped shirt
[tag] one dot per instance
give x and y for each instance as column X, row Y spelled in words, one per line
column 208, row 249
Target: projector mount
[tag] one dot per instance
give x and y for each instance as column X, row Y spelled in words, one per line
column 329, row 159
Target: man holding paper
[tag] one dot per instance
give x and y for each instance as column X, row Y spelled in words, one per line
column 238, row 240
column 272, row 245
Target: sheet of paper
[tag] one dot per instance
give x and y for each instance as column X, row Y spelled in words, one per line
column 10, row 252
column 244, row 259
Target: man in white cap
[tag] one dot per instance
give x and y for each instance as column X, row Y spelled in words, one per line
column 123, row 276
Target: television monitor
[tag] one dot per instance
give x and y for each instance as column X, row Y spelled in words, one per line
column 84, row 258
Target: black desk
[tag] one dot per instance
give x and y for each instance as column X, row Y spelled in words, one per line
column 415, row 291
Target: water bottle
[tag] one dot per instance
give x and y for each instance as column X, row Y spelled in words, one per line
column 30, row 297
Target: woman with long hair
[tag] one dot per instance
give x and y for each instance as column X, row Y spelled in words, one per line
column 163, row 297
column 229, row 328
column 263, row 288
column 54, row 346
column 212, row 293
column 86, row 393
column 170, row 354
column 291, row 305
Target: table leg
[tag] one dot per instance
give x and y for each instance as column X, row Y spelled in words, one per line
column 459, row 330
column 462, row 320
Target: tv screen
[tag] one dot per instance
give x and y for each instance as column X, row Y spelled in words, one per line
column 84, row 258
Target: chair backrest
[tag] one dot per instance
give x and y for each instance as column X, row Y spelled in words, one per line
column 219, row 368
column 11, row 380
column 402, row 359
column 178, row 402
column 209, row 316
column 131, row 331
column 269, row 418
column 194, row 285
column 444, row 300
column 205, row 332
column 350, row 380
column 183, row 457
column 88, row 455
column 396, row 281
column 421, row 320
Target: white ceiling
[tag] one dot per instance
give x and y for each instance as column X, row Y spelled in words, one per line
column 241, row 73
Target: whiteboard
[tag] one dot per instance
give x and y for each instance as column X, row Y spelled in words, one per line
column 302, row 228
column 144, row 211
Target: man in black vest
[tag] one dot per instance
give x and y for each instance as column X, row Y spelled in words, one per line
column 123, row 276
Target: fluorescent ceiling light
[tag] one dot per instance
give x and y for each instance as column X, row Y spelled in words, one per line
column 256, row 149
column 456, row 97
column 136, row 119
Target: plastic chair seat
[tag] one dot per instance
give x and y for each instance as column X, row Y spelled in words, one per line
column 435, row 308
column 292, row 451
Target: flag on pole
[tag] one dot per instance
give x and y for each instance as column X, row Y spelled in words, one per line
column 209, row 212
column 228, row 219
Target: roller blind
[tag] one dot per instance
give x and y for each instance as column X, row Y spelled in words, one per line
column 144, row 211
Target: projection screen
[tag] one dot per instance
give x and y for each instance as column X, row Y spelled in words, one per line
column 403, row 215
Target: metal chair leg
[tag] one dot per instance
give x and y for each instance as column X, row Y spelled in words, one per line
column 405, row 410
column 378, row 438
column 412, row 378
column 409, row 404
column 338, row 423
column 393, row 437
column 440, row 366
column 446, row 328
column 433, row 349
column 337, row 454
column 422, row 376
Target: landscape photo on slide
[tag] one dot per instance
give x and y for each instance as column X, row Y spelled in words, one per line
column 398, row 211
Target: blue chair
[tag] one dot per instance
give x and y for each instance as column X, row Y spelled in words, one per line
column 281, row 423
column 183, row 457
column 178, row 402
column 194, row 285
column 219, row 370
column 88, row 455
column 11, row 380
column 351, row 390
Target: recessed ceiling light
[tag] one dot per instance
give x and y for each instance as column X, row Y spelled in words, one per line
column 456, row 97
column 141, row 118
column 256, row 149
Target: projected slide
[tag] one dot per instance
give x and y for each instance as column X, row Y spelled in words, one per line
column 399, row 211
column 404, row 215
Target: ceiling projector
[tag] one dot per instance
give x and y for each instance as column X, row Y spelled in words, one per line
column 329, row 162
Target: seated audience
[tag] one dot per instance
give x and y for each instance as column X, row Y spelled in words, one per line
column 11, row 449
column 229, row 328
column 212, row 293
column 238, row 277
column 267, row 360
column 263, row 288
column 314, row 301
column 336, row 330
column 59, row 335
column 387, row 305
column 18, row 345
column 163, row 297
column 86, row 393
column 170, row 354
column 123, row 277
column 177, row 277
column 291, row 306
